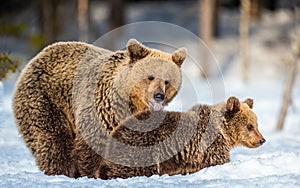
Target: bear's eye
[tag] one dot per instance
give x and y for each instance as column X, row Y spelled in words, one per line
column 249, row 127
column 167, row 82
column 150, row 77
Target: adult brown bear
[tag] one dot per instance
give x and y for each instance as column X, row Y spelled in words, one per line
column 63, row 83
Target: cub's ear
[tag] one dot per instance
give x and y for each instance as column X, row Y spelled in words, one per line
column 136, row 50
column 179, row 56
column 232, row 105
column 249, row 102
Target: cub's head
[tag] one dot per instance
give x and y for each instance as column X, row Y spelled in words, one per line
column 155, row 76
column 241, row 123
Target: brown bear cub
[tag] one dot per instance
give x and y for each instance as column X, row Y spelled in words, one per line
column 71, row 85
column 179, row 143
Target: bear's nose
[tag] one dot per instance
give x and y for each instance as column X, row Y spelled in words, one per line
column 262, row 141
column 159, row 97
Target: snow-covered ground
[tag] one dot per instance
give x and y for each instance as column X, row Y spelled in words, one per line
column 275, row 164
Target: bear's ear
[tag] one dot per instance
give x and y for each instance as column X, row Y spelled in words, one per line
column 136, row 50
column 249, row 102
column 179, row 56
column 232, row 105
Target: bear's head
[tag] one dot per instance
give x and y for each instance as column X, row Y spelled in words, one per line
column 241, row 123
column 155, row 76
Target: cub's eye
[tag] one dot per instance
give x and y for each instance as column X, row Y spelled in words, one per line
column 150, row 77
column 249, row 127
column 167, row 82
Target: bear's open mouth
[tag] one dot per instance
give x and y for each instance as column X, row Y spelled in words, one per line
column 156, row 106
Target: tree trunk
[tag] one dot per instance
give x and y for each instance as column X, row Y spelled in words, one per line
column 83, row 20
column 117, row 13
column 292, row 73
column 255, row 9
column 207, row 28
column 50, row 19
column 287, row 98
column 116, row 19
column 295, row 48
column 244, row 36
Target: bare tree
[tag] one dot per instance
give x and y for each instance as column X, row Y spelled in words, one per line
column 50, row 19
column 207, row 28
column 255, row 9
column 244, row 36
column 116, row 19
column 83, row 20
column 292, row 72
column 117, row 13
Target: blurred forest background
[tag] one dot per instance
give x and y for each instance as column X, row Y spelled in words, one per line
column 26, row 26
column 36, row 23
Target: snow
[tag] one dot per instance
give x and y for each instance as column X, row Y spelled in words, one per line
column 275, row 164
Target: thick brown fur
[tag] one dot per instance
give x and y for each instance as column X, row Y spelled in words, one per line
column 186, row 142
column 67, row 81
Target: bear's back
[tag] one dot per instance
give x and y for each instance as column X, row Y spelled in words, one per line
column 65, row 56
column 50, row 74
